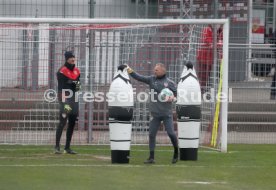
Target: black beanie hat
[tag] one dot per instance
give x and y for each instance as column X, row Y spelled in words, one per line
column 68, row 54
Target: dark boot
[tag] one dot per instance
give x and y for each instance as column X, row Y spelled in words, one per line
column 150, row 160
column 175, row 155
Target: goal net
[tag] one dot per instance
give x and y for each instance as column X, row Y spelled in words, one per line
column 31, row 52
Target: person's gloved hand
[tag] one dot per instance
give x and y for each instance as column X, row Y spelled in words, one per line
column 129, row 70
column 78, row 86
column 67, row 108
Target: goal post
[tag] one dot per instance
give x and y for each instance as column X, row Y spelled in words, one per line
column 113, row 42
column 224, row 106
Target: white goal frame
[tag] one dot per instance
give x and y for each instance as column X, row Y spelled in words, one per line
column 224, row 22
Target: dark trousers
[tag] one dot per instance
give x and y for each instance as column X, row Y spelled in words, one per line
column 63, row 117
column 154, row 125
column 273, row 83
column 273, row 88
column 203, row 73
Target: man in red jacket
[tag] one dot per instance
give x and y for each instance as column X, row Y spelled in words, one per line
column 68, row 77
column 205, row 55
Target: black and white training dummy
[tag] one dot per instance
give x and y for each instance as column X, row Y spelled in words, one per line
column 120, row 106
column 188, row 113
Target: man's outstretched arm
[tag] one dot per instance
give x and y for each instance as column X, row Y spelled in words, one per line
column 136, row 76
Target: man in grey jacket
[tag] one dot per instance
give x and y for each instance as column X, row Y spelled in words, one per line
column 160, row 110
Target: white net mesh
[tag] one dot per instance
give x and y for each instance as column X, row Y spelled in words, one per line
column 32, row 53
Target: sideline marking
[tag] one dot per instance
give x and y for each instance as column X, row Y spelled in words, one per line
column 202, row 182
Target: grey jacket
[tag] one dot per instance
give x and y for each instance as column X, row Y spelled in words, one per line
column 157, row 107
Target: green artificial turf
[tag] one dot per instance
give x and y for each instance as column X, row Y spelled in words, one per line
column 244, row 167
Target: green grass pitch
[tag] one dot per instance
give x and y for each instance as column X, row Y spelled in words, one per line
column 244, row 167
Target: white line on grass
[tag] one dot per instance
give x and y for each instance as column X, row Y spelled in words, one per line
column 46, row 158
column 97, row 149
column 103, row 157
column 88, row 157
column 71, row 165
column 202, row 182
column 204, row 150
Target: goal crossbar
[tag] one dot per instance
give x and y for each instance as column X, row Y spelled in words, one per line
column 112, row 21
